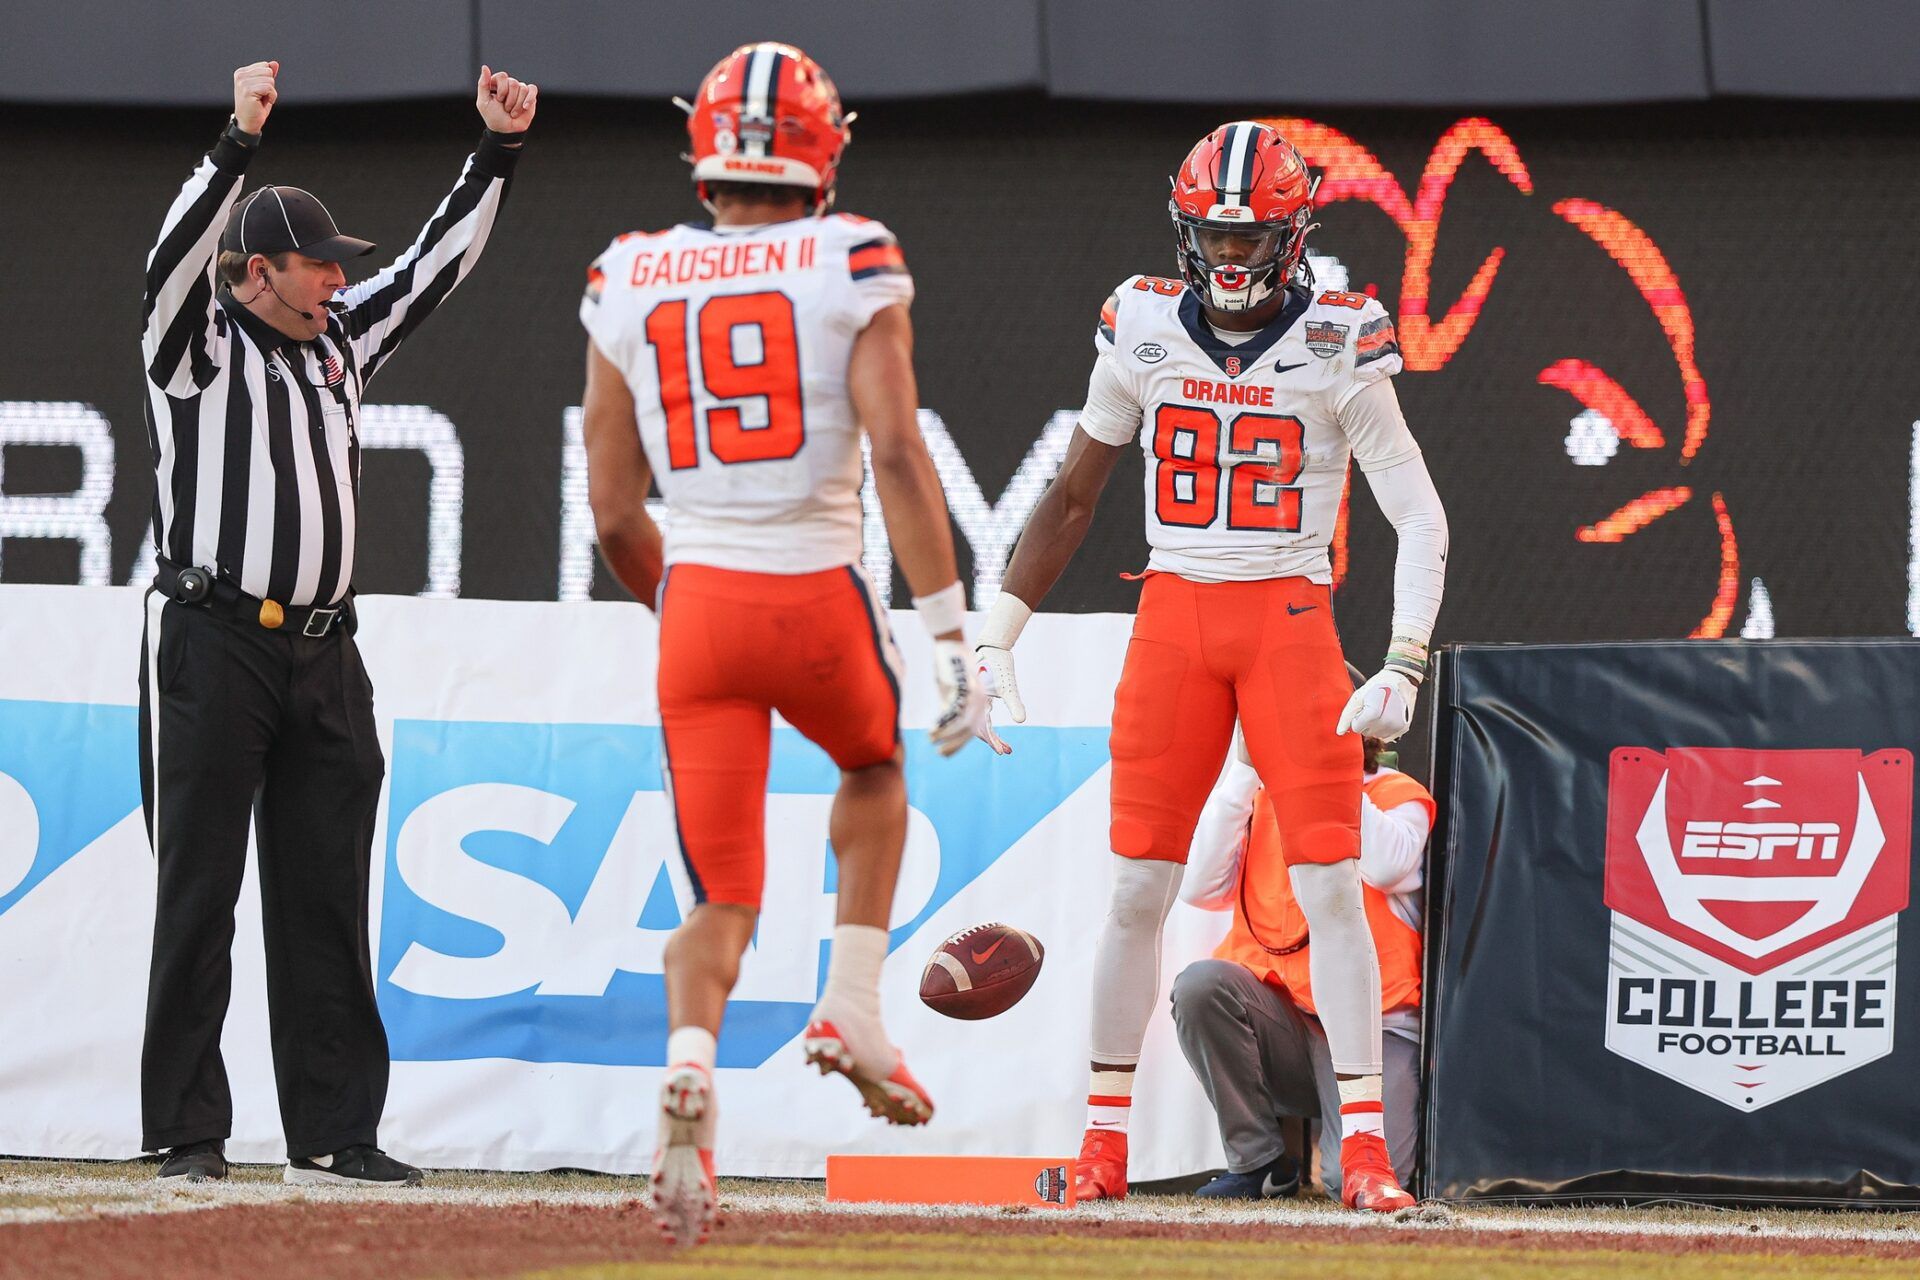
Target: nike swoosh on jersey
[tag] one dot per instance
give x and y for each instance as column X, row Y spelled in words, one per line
column 1300, row 609
column 981, row 957
column 1282, row 368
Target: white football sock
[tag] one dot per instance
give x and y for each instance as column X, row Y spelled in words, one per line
column 1341, row 965
column 696, row 1046
column 692, row 1044
column 851, row 1000
column 1360, row 1107
column 1126, row 961
column 1109, row 1100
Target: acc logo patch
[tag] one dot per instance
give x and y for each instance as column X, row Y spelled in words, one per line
column 1326, row 339
column 1149, row 353
column 1755, row 898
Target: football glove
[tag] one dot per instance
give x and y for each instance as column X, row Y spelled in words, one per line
column 963, row 705
column 1381, row 708
column 994, row 668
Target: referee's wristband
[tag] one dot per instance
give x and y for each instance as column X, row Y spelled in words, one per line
column 944, row 611
column 498, row 153
column 234, row 149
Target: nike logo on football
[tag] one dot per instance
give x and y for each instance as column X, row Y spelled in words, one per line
column 1300, row 608
column 981, row 957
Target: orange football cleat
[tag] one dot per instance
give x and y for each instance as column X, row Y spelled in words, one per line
column 1102, row 1171
column 1367, row 1180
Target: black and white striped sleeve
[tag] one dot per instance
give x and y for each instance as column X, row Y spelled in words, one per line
column 384, row 310
column 177, row 303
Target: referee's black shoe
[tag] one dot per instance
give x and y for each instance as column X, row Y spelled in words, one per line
column 195, row 1162
column 364, row 1165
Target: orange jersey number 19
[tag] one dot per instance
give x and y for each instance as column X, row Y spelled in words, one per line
column 774, row 378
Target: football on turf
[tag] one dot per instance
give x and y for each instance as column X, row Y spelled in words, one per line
column 981, row 972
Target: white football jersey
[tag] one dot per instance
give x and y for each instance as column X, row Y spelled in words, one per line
column 1247, row 442
column 735, row 343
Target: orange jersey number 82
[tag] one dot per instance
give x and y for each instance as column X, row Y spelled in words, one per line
column 1186, row 445
column 775, row 378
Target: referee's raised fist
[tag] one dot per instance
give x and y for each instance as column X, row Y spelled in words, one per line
column 505, row 104
column 254, row 94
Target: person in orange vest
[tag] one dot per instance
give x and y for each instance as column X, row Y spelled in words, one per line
column 1246, row 1017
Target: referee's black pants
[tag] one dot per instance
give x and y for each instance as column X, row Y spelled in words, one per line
column 237, row 721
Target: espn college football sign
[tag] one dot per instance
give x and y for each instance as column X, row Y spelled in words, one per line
column 1754, row 898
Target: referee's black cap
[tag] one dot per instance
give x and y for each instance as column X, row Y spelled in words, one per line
column 279, row 219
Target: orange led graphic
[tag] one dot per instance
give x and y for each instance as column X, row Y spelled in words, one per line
column 1351, row 172
column 1651, row 274
column 1647, row 267
column 1594, row 388
column 1636, row 515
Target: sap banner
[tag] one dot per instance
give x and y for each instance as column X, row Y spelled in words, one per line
column 525, row 881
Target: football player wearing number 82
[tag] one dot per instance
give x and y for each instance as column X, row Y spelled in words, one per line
column 1249, row 392
column 738, row 363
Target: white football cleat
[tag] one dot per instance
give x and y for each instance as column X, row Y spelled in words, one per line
column 896, row 1097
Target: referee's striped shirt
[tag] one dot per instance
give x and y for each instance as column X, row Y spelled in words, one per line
column 255, row 437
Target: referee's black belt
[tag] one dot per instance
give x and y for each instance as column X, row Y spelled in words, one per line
column 197, row 587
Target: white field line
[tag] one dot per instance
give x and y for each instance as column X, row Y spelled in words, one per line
column 80, row 1197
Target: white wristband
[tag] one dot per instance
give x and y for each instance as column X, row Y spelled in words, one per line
column 943, row 611
column 1005, row 620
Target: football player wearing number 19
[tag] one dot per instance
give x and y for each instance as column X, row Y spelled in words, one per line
column 736, row 363
column 1249, row 393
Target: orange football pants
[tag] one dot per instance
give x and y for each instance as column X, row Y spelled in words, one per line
column 734, row 648
column 1203, row 653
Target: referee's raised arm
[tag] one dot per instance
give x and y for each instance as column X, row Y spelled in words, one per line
column 177, row 305
column 382, row 311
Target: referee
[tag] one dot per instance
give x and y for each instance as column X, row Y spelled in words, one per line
column 253, row 699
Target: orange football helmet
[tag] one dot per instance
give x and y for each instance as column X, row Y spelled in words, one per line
column 767, row 113
column 1242, row 206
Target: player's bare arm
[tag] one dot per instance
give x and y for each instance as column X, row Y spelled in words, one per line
column 886, row 398
column 1054, row 532
column 618, row 477
column 1059, row 522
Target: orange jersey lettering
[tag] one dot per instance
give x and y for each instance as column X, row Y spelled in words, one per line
column 1227, row 392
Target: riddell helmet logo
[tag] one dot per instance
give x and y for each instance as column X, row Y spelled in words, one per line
column 1754, row 898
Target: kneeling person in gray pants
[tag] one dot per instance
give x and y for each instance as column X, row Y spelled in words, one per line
column 1246, row 1017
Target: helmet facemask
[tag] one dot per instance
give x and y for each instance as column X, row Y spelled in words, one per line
column 1238, row 266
